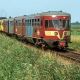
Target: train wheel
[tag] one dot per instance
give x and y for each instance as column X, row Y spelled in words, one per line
column 37, row 43
column 43, row 46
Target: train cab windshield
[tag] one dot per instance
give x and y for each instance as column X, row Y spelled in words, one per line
column 58, row 24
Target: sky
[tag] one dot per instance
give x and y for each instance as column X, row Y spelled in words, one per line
column 25, row 7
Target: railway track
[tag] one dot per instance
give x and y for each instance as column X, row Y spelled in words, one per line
column 70, row 55
column 65, row 53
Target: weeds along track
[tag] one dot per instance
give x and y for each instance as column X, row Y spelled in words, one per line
column 64, row 53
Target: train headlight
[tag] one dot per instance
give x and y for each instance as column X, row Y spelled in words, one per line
column 65, row 33
column 55, row 33
column 53, row 15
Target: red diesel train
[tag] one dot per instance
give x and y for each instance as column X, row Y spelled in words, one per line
column 46, row 29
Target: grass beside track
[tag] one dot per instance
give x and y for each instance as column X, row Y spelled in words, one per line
column 18, row 62
column 75, row 37
column 75, row 45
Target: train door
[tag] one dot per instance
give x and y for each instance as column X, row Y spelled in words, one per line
column 18, row 27
column 11, row 26
column 23, row 27
column 29, row 28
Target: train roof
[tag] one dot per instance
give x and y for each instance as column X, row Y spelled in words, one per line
column 10, row 18
column 49, row 13
column 2, row 18
column 20, row 17
column 7, row 19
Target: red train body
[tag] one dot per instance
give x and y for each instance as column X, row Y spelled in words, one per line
column 44, row 29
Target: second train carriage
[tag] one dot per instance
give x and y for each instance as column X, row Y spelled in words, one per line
column 19, row 25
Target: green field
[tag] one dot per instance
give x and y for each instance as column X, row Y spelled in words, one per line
column 75, row 29
column 21, row 62
column 75, row 37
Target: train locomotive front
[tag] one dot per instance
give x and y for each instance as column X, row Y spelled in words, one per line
column 56, row 29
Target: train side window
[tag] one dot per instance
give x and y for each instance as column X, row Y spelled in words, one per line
column 33, row 21
column 38, row 22
column 50, row 23
column 11, row 23
column 68, row 24
column 4, row 23
column 28, row 22
column 16, row 23
column 46, row 23
column 7, row 23
column 19, row 23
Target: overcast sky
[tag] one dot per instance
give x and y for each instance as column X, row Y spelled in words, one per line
column 24, row 7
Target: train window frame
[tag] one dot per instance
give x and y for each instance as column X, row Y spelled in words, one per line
column 11, row 23
column 68, row 24
column 51, row 23
column 19, row 23
column 5, row 23
column 16, row 22
column 28, row 22
column 46, row 23
column 33, row 22
column 38, row 22
column 62, row 24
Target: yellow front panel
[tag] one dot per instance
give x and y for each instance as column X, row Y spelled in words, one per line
column 50, row 33
column 1, row 25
